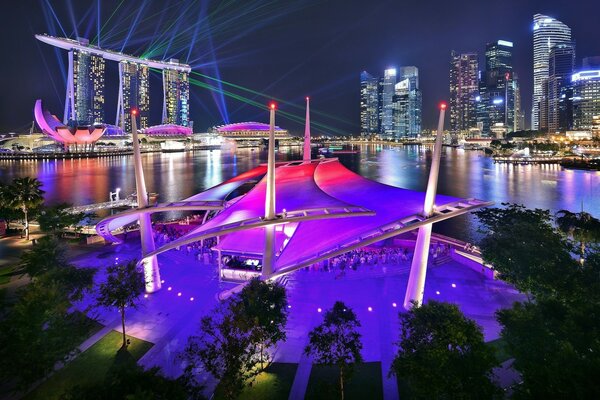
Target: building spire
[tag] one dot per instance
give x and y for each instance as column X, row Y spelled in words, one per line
column 307, row 132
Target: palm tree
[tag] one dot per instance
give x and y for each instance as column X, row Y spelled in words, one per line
column 24, row 194
column 582, row 227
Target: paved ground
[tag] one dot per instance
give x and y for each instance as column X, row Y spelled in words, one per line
column 168, row 317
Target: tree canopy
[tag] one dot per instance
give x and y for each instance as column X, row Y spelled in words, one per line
column 337, row 341
column 442, row 354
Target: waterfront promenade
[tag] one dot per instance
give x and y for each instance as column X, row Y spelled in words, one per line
column 167, row 318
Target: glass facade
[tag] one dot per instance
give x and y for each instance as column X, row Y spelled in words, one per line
column 586, row 99
column 561, row 63
column 387, row 106
column 176, row 97
column 87, row 88
column 547, row 33
column 407, row 104
column 369, row 104
column 496, row 88
column 463, row 91
column 134, row 93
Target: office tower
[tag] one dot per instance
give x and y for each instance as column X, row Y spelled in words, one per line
column 586, row 99
column 463, row 91
column 176, row 96
column 84, row 104
column 519, row 122
column 561, row 63
column 547, row 33
column 369, row 104
column 133, row 93
column 496, row 99
column 407, row 104
column 386, row 106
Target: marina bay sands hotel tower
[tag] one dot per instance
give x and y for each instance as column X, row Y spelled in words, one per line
column 84, row 102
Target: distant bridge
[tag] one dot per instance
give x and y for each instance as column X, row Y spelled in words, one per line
column 129, row 202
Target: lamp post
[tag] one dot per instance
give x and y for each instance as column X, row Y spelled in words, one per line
column 151, row 270
column 418, row 268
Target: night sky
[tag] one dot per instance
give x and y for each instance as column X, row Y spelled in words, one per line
column 287, row 49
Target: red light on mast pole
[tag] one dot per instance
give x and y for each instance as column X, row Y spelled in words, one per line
column 134, row 111
column 272, row 106
column 443, row 106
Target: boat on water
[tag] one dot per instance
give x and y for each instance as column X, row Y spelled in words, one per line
column 172, row 146
column 332, row 150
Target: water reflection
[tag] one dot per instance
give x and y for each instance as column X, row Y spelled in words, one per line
column 462, row 174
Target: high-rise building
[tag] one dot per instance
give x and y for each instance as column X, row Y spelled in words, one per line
column 133, row 93
column 586, row 99
column 496, row 101
column 386, row 103
column 547, row 33
column 176, row 96
column 407, row 104
column 85, row 88
column 463, row 91
column 519, row 123
column 369, row 104
column 561, row 63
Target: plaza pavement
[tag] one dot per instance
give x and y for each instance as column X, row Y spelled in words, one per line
column 168, row 317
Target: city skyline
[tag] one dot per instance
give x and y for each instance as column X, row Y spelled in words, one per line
column 299, row 65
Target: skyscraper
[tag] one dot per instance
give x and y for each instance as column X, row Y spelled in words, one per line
column 496, row 87
column 386, row 106
column 133, row 93
column 85, row 88
column 561, row 63
column 463, row 91
column 586, row 99
column 369, row 104
column 519, row 122
column 176, row 96
column 547, row 33
column 407, row 104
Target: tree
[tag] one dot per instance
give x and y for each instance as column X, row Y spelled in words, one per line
column 261, row 309
column 123, row 287
column 38, row 331
column 47, row 262
column 527, row 250
column 442, row 354
column 554, row 339
column 56, row 218
column 582, row 227
column 225, row 350
column 24, row 194
column 125, row 379
column 337, row 341
column 556, row 348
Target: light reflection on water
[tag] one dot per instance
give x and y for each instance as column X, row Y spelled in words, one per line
column 462, row 174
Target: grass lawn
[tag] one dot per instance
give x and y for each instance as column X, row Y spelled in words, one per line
column 365, row 383
column 6, row 273
column 273, row 384
column 500, row 347
column 89, row 367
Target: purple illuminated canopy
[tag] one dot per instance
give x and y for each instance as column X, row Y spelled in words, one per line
column 167, row 130
column 246, row 126
column 323, row 209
